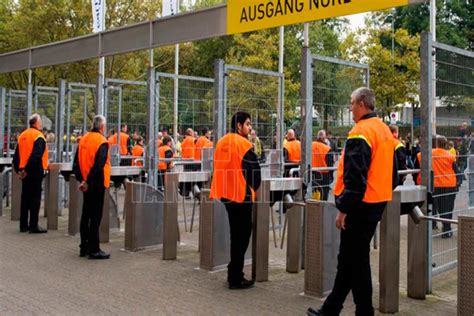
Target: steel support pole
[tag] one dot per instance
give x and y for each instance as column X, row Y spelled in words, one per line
column 68, row 123
column 100, row 101
column 281, row 99
column 60, row 120
column 219, row 115
column 29, row 97
column 306, row 118
column 2, row 119
column 176, row 94
column 419, row 236
column 9, row 124
column 152, row 120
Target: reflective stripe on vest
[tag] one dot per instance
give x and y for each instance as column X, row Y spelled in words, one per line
column 201, row 143
column 187, row 148
column 162, row 165
column 378, row 137
column 228, row 181
column 88, row 148
column 26, row 142
column 319, row 152
column 294, row 150
column 442, row 165
column 137, row 151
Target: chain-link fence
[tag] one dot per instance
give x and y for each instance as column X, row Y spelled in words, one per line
column 334, row 80
column 46, row 105
column 453, row 148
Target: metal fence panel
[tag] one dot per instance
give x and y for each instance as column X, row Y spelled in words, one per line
column 454, row 115
column 334, row 80
column 16, row 118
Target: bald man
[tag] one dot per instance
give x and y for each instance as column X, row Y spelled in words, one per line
column 291, row 150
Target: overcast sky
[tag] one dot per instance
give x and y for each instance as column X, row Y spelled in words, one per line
column 356, row 20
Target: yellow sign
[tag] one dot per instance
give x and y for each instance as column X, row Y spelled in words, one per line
column 251, row 15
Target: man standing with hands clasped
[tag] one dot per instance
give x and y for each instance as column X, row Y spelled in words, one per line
column 235, row 180
column 30, row 162
column 92, row 169
column 365, row 180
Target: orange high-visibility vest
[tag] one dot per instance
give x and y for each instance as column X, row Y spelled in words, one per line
column 442, row 165
column 294, row 150
column 319, row 152
column 88, row 148
column 187, row 148
column 201, row 143
column 26, row 142
column 137, row 151
column 228, row 181
column 163, row 165
column 379, row 178
column 123, row 142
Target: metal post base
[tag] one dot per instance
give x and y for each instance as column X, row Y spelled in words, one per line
column 466, row 265
column 16, row 197
column 260, row 240
column 75, row 206
column 321, row 247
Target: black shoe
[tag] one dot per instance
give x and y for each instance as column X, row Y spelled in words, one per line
column 99, row 255
column 83, row 253
column 312, row 312
column 38, row 230
column 447, row 235
column 24, row 230
column 244, row 284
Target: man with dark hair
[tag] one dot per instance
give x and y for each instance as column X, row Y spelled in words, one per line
column 364, row 185
column 400, row 153
column 164, row 152
column 202, row 142
column 30, row 162
column 235, row 180
column 92, row 169
column 322, row 157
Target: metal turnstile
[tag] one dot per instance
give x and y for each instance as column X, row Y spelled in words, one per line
column 5, row 171
column 321, row 247
column 261, row 227
column 170, row 214
column 143, row 216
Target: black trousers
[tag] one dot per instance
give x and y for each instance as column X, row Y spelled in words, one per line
column 90, row 218
column 443, row 204
column 240, row 222
column 30, row 202
column 353, row 267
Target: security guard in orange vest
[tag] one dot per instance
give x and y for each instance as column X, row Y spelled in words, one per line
column 202, row 142
column 322, row 158
column 364, row 185
column 92, row 169
column 292, row 148
column 138, row 151
column 187, row 153
column 447, row 179
column 235, row 179
column 125, row 145
column 400, row 153
column 30, row 162
column 164, row 152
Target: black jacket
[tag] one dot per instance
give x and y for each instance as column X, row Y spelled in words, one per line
column 95, row 179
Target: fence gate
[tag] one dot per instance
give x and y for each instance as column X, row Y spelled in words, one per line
column 195, row 103
column 46, row 105
column 334, row 80
column 453, row 112
column 125, row 104
column 3, row 125
column 17, row 118
column 80, row 111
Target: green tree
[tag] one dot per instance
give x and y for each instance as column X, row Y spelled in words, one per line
column 394, row 77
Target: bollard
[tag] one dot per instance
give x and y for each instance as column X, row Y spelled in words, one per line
column 321, row 247
column 261, row 223
column 465, row 265
column 170, row 217
column 52, row 201
column 75, row 206
column 16, row 197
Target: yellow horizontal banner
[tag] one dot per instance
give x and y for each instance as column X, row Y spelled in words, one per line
column 251, row 15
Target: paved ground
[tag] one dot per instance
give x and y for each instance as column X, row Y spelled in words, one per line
column 43, row 274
